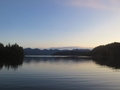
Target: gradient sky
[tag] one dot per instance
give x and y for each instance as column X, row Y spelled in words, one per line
column 59, row 23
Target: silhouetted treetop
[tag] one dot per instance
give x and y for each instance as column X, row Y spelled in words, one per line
column 11, row 55
column 1, row 45
column 11, row 51
column 112, row 49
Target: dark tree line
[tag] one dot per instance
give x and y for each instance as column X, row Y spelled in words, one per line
column 11, row 51
column 107, row 55
column 108, row 50
column 11, row 55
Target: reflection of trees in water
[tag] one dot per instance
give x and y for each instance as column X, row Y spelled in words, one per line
column 54, row 59
column 112, row 62
column 11, row 63
column 107, row 55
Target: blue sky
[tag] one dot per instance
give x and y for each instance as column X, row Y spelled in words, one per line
column 59, row 23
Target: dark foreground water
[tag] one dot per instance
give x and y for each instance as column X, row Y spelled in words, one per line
column 58, row 73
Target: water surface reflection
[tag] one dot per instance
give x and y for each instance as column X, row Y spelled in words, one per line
column 59, row 73
column 11, row 63
column 111, row 62
column 54, row 59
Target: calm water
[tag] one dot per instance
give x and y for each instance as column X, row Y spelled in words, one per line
column 58, row 73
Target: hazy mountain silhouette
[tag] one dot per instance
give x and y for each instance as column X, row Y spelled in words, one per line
column 29, row 51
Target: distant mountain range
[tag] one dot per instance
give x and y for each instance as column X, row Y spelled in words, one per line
column 36, row 51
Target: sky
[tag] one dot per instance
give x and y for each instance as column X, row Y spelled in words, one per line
column 59, row 23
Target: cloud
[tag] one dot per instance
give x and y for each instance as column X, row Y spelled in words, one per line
column 99, row 4
column 71, row 48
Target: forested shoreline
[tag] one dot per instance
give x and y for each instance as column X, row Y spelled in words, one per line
column 108, row 50
column 11, row 55
column 17, row 52
column 109, row 54
column 11, row 51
